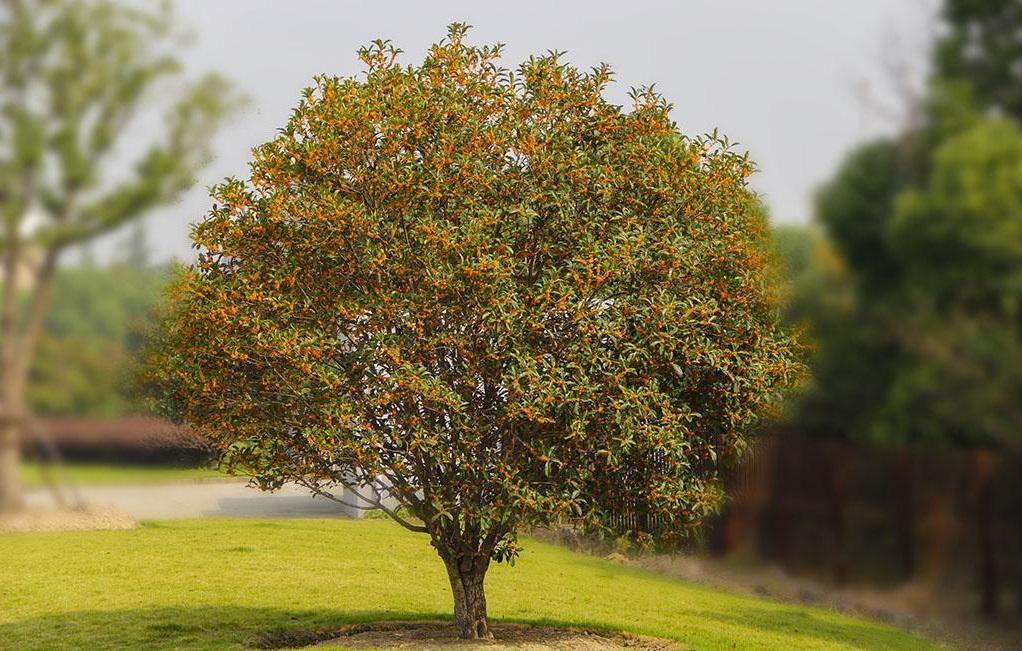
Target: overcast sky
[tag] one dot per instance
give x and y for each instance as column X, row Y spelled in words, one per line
column 782, row 77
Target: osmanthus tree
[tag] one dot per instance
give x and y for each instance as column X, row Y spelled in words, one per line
column 503, row 299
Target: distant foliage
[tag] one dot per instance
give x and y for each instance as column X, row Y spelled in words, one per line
column 93, row 341
column 959, row 238
column 513, row 300
column 928, row 225
column 981, row 50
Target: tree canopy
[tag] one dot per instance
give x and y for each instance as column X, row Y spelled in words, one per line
column 508, row 299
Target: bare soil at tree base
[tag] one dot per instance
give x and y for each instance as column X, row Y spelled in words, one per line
column 439, row 635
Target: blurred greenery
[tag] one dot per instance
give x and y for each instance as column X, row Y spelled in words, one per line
column 87, row 360
column 981, row 49
column 98, row 125
column 915, row 326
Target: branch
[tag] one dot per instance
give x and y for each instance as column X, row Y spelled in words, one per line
column 375, row 504
column 330, row 496
column 9, row 305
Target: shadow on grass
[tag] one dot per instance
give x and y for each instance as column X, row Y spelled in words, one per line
column 229, row 627
column 180, row 627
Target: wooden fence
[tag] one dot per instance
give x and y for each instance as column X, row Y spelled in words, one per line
column 879, row 515
column 134, row 438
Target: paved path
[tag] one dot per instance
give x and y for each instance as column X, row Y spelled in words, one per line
column 216, row 498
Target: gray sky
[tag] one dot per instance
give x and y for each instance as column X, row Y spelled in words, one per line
column 781, row 77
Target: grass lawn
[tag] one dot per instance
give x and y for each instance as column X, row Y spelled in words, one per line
column 209, row 584
column 109, row 473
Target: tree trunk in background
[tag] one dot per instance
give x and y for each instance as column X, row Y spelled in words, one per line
column 939, row 527
column 18, row 349
column 12, row 419
column 10, row 466
column 11, row 426
column 467, row 577
column 983, row 465
column 751, row 489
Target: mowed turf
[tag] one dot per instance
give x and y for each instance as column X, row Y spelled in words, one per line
column 210, row 584
column 88, row 474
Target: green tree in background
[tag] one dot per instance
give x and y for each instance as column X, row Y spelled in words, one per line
column 73, row 74
column 855, row 207
column 87, row 360
column 928, row 224
column 930, row 228
column 846, row 309
column 958, row 238
column 981, row 52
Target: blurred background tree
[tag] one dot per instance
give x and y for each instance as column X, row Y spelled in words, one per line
column 73, row 76
column 917, row 340
column 981, row 52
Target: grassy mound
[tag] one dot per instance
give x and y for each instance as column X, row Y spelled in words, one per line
column 212, row 584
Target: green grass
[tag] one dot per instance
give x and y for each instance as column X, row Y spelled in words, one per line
column 108, row 473
column 209, row 584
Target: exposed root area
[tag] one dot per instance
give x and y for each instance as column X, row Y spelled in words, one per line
column 436, row 635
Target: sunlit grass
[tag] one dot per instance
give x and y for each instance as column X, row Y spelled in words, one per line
column 209, row 584
column 34, row 475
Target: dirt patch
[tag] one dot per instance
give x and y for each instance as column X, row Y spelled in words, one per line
column 78, row 518
column 437, row 636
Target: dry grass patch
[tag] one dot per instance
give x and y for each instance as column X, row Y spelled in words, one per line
column 66, row 518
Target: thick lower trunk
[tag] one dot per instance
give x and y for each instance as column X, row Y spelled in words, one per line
column 19, row 345
column 10, row 467
column 467, row 578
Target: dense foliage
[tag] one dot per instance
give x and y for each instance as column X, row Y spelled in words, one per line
column 980, row 51
column 959, row 238
column 511, row 300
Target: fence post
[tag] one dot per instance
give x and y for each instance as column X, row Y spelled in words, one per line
column 904, row 478
column 983, row 462
column 837, row 482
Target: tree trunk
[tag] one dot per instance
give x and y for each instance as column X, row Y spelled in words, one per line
column 467, row 576
column 17, row 351
column 11, row 431
column 11, row 423
column 10, row 467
